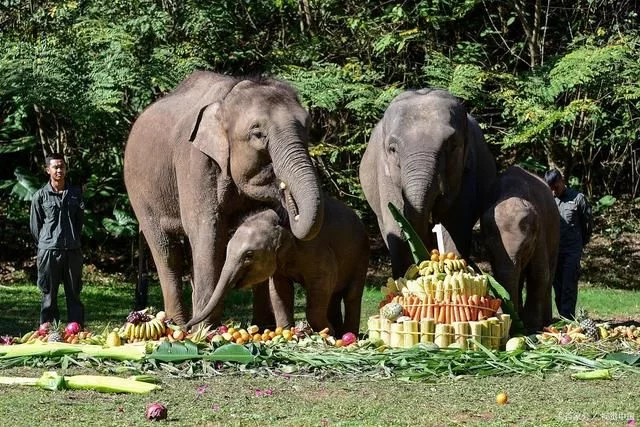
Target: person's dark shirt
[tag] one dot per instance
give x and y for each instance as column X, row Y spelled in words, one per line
column 575, row 220
column 56, row 218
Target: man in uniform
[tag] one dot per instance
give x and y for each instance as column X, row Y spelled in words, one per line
column 56, row 224
column 575, row 232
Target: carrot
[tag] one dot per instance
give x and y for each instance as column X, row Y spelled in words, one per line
column 447, row 315
column 496, row 304
column 467, row 310
column 463, row 316
column 423, row 309
column 456, row 312
column 429, row 307
column 441, row 312
column 475, row 304
column 413, row 308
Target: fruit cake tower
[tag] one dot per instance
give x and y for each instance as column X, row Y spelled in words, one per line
column 441, row 301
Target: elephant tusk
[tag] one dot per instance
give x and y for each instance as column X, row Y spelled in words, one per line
column 296, row 218
column 283, row 185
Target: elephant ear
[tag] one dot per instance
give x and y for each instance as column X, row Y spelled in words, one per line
column 209, row 135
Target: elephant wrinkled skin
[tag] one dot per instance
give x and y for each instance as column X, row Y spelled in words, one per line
column 214, row 149
column 428, row 157
column 332, row 267
column 521, row 230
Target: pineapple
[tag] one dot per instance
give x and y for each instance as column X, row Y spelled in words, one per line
column 391, row 311
column 54, row 336
column 588, row 325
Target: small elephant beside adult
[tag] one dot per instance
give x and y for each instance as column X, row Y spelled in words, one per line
column 332, row 268
column 428, row 157
column 521, row 232
column 213, row 150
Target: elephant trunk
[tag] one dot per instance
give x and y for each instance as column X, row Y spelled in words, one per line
column 228, row 279
column 421, row 186
column 302, row 194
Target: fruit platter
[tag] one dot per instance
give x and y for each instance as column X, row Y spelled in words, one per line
column 441, row 301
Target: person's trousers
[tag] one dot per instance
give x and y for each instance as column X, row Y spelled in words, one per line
column 565, row 283
column 55, row 266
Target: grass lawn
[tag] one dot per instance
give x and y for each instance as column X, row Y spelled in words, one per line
column 230, row 399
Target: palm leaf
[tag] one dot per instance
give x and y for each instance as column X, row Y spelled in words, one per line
column 418, row 249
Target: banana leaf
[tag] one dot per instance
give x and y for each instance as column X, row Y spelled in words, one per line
column 497, row 290
column 231, row 353
column 418, row 249
column 175, row 352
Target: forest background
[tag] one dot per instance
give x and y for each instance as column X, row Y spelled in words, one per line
column 552, row 83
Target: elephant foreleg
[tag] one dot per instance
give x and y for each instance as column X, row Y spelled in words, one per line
column 335, row 314
column 538, row 305
column 263, row 315
column 281, row 294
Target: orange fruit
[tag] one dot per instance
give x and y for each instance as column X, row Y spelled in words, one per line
column 435, row 257
column 451, row 255
column 265, row 337
column 339, row 343
column 231, row 330
column 442, row 257
column 236, row 335
column 435, row 252
column 286, row 334
column 278, row 330
column 257, row 337
column 502, row 398
column 240, row 340
column 245, row 335
column 272, row 335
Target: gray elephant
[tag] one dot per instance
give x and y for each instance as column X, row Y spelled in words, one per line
column 521, row 230
column 213, row 150
column 428, row 157
column 332, row 267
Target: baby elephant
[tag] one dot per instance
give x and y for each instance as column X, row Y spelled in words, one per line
column 332, row 267
column 521, row 230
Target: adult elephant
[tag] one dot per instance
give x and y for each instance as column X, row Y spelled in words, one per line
column 521, row 231
column 213, row 150
column 428, row 157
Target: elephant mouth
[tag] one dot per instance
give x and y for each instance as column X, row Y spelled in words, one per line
column 290, row 203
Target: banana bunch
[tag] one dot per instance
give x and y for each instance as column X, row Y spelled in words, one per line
column 457, row 280
column 152, row 329
column 446, row 266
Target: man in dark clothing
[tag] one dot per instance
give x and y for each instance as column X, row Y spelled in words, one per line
column 56, row 224
column 575, row 232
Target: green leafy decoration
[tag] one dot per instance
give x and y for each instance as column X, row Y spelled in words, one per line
column 176, row 351
column 497, row 290
column 418, row 249
column 231, row 353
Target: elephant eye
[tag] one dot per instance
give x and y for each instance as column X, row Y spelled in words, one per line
column 248, row 256
column 393, row 148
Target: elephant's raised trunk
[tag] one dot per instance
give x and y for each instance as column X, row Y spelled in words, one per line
column 302, row 194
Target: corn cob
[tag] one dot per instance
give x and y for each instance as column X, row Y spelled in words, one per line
column 109, row 384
